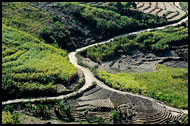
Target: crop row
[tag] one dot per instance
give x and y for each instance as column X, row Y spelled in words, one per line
column 32, row 67
column 169, row 9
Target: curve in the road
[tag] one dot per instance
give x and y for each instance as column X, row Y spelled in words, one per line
column 89, row 77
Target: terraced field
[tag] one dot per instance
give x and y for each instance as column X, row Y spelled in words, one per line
column 171, row 10
column 89, row 79
column 98, row 99
column 143, row 111
column 168, row 9
column 30, row 66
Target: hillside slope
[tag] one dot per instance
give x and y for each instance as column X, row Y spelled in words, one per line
column 31, row 67
column 71, row 25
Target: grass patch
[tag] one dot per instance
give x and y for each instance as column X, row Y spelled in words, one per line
column 169, row 85
column 121, row 81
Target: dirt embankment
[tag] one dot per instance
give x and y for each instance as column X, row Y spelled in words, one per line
column 139, row 61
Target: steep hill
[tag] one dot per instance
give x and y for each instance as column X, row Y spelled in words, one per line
column 70, row 25
column 31, row 67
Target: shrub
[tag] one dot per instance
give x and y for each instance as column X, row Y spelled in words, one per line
column 67, row 109
column 114, row 115
column 98, row 120
column 46, row 35
column 8, row 118
column 9, row 108
column 41, row 111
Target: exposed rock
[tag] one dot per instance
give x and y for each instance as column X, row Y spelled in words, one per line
column 139, row 61
column 89, row 62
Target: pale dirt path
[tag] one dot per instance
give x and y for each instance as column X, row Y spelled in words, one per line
column 89, row 77
column 177, row 4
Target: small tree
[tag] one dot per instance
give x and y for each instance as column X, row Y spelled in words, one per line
column 127, row 5
column 115, row 116
column 85, row 115
column 67, row 109
column 85, row 112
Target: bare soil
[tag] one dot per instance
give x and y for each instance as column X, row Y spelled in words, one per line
column 139, row 61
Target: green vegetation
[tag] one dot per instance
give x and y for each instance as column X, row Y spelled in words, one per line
column 99, row 19
column 97, row 120
column 107, row 22
column 9, row 108
column 186, row 119
column 34, row 64
column 169, row 85
column 121, row 81
column 27, row 17
column 128, row 9
column 8, row 118
column 156, row 41
column 184, row 5
column 114, row 115
column 31, row 66
column 41, row 111
column 85, row 112
column 85, row 25
column 93, row 120
column 67, row 109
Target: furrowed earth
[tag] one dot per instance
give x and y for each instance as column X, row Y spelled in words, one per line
column 133, row 77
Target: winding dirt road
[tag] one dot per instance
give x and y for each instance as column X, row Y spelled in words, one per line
column 89, row 77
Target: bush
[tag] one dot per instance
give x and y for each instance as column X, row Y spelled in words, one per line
column 98, row 120
column 8, row 118
column 114, row 115
column 41, row 111
column 9, row 108
column 46, row 35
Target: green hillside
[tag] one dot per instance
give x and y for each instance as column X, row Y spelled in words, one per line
column 70, row 25
column 31, row 67
column 42, row 42
column 156, row 41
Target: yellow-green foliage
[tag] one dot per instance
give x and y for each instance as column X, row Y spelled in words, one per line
column 158, row 40
column 32, row 64
column 122, row 81
column 24, row 16
column 101, row 53
column 7, row 118
column 169, row 85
